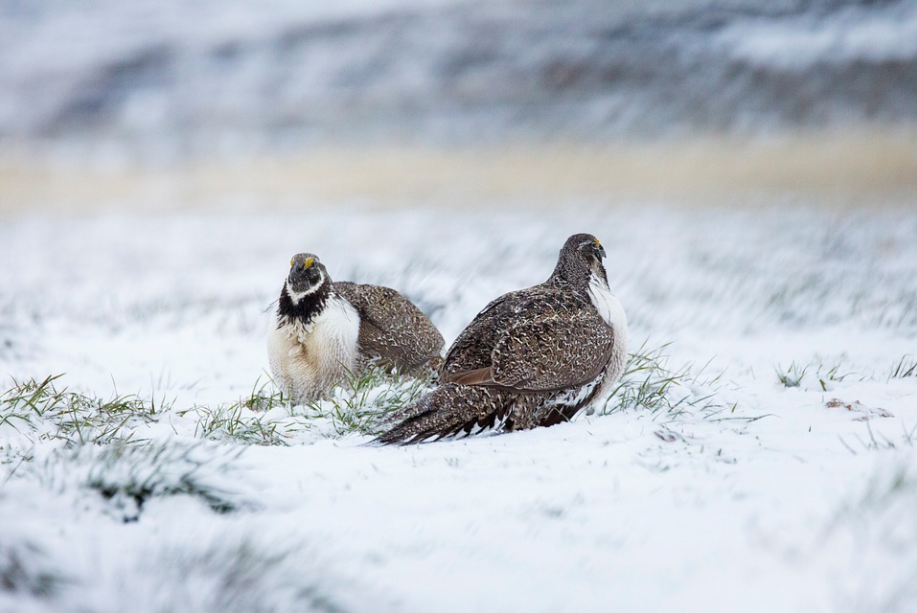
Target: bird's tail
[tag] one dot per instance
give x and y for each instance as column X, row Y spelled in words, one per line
column 449, row 410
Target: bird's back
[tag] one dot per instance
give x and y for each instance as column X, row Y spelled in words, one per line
column 391, row 327
column 474, row 347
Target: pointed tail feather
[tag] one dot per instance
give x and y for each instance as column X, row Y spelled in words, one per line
column 448, row 410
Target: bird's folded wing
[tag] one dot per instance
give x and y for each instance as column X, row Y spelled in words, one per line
column 551, row 352
column 472, row 349
column 390, row 325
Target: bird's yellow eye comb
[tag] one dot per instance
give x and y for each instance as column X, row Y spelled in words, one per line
column 308, row 263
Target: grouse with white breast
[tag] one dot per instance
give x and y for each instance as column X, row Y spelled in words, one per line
column 532, row 357
column 325, row 330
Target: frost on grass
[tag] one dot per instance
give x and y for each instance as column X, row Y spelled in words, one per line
column 42, row 411
column 266, row 417
column 648, row 384
column 262, row 418
column 217, row 570
column 23, row 571
column 88, row 443
column 363, row 404
column 237, row 574
column 127, row 476
column 36, row 411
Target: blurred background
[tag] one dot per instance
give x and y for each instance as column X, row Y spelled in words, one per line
column 169, row 104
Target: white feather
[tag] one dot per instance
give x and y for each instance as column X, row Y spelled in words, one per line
column 574, row 397
column 607, row 304
column 610, row 309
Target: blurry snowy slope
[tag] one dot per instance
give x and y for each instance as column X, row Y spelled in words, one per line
column 168, row 79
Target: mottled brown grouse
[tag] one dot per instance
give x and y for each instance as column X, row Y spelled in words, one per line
column 531, row 358
column 324, row 330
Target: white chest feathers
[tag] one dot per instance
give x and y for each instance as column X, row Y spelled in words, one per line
column 308, row 360
column 608, row 306
column 610, row 309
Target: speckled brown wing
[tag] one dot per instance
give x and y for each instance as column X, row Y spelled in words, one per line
column 473, row 347
column 542, row 341
column 552, row 351
column 391, row 327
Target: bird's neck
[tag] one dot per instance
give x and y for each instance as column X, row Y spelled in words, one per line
column 304, row 308
column 568, row 276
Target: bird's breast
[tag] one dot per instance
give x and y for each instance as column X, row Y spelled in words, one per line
column 334, row 333
column 316, row 352
column 607, row 304
column 610, row 310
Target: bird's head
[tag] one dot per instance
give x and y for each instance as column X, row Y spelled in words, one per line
column 580, row 258
column 307, row 276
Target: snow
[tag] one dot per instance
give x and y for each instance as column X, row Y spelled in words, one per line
column 170, row 81
column 853, row 34
column 765, row 498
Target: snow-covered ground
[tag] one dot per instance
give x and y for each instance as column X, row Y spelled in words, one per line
column 747, row 496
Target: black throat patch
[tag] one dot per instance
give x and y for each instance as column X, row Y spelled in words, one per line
column 306, row 309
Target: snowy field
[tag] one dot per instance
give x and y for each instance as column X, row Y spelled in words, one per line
column 758, row 457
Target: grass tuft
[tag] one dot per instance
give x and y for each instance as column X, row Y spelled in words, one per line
column 358, row 406
column 362, row 404
column 140, row 472
column 43, row 410
column 236, row 422
column 906, row 367
column 251, row 420
column 246, row 420
column 792, row 376
column 829, row 375
column 264, row 397
column 40, row 410
column 648, row 384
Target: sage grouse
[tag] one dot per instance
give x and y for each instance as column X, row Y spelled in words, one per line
column 325, row 330
column 531, row 358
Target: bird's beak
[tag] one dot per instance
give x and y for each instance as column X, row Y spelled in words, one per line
column 601, row 249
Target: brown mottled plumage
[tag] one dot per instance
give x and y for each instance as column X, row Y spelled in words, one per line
column 392, row 330
column 532, row 357
column 325, row 329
